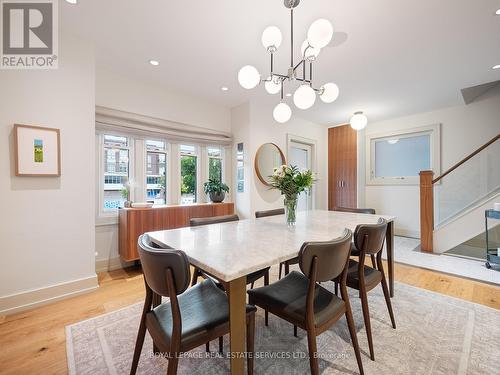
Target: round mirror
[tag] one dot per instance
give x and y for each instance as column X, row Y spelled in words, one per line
column 268, row 157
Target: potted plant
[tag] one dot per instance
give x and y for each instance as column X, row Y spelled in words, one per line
column 125, row 195
column 291, row 182
column 216, row 190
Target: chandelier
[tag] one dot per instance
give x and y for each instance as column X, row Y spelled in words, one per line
column 319, row 35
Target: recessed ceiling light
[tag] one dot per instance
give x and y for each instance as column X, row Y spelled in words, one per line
column 496, row 67
column 224, row 88
column 154, row 62
column 72, row 1
column 288, row 94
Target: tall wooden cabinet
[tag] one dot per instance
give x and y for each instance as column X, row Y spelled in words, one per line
column 342, row 167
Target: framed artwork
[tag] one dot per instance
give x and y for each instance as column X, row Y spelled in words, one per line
column 240, row 170
column 37, row 151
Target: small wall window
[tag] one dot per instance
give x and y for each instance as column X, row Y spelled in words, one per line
column 189, row 174
column 156, row 171
column 116, row 171
column 398, row 157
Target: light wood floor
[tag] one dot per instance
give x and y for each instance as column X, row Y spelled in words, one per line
column 33, row 342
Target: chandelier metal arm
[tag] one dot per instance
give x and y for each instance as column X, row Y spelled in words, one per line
column 291, row 33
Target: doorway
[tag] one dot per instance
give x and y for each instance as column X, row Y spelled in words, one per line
column 301, row 154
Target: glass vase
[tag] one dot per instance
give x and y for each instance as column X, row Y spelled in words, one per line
column 291, row 210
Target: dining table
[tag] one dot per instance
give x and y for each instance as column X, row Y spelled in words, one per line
column 230, row 251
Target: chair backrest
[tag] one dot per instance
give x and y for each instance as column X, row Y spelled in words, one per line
column 155, row 263
column 277, row 211
column 198, row 221
column 331, row 256
column 356, row 210
column 370, row 237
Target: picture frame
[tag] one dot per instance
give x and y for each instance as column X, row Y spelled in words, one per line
column 37, row 151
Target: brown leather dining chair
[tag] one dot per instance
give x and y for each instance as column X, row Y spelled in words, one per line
column 251, row 279
column 278, row 211
column 369, row 238
column 370, row 211
column 193, row 316
column 300, row 300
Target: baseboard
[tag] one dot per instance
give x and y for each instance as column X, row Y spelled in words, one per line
column 407, row 233
column 103, row 265
column 15, row 303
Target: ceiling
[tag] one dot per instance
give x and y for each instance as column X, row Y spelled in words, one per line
column 389, row 57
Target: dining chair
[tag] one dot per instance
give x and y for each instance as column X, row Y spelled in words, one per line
column 371, row 211
column 251, row 278
column 278, row 211
column 300, row 300
column 193, row 316
column 369, row 238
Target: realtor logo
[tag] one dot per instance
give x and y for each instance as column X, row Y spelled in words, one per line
column 29, row 34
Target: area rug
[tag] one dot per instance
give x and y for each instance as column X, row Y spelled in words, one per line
column 435, row 334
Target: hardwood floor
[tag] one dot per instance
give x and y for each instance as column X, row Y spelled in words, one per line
column 33, row 342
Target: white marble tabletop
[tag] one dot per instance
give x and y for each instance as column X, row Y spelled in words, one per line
column 235, row 249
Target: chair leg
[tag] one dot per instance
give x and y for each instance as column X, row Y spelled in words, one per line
column 221, row 344
column 266, row 313
column 207, row 347
column 173, row 361
column 313, row 359
column 387, row 296
column 251, row 285
column 366, row 317
column 374, row 264
column 250, row 342
column 281, row 267
column 287, row 268
column 138, row 345
column 336, row 288
column 295, row 331
column 354, row 338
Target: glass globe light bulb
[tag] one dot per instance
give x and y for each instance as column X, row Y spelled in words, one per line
column 309, row 52
column 248, row 77
column 304, row 97
column 273, row 85
column 271, row 38
column 282, row 113
column 358, row 121
column 330, row 92
column 320, row 33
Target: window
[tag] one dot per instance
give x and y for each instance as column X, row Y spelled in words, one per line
column 189, row 171
column 156, row 172
column 215, row 163
column 116, row 171
column 398, row 157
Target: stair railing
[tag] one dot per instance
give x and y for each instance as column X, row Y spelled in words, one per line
column 427, row 183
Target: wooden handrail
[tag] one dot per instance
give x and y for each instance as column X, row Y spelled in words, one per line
column 493, row 140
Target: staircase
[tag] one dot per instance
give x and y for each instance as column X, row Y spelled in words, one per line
column 452, row 205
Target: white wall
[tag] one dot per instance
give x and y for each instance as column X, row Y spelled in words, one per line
column 253, row 124
column 47, row 227
column 128, row 94
column 132, row 95
column 463, row 129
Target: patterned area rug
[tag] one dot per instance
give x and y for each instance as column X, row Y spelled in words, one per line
column 435, row 334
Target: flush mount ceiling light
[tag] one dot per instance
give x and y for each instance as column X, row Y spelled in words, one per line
column 320, row 33
column 497, row 12
column 358, row 121
column 496, row 67
column 224, row 88
column 154, row 62
column 72, row 1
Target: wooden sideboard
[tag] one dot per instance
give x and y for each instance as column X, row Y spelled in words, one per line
column 133, row 222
